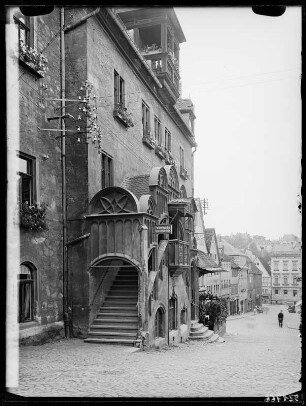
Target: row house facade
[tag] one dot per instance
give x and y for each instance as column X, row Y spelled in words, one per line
column 265, row 270
column 286, row 273
column 113, row 258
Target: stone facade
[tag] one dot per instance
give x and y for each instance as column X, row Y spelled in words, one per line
column 140, row 177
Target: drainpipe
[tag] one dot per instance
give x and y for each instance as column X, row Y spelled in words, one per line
column 66, row 309
column 82, row 20
column 192, row 163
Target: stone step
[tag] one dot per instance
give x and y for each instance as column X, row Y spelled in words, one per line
column 97, row 340
column 124, row 315
column 213, row 338
column 110, row 323
column 112, row 334
column 118, row 295
column 115, row 320
column 116, row 328
column 202, row 336
column 118, row 302
column 119, row 309
column 201, row 330
column 196, row 327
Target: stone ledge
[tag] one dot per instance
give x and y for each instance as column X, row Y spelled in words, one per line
column 37, row 335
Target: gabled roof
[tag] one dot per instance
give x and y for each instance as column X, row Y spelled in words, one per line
column 228, row 248
column 139, row 185
column 228, row 258
column 206, row 263
column 254, row 269
column 265, row 265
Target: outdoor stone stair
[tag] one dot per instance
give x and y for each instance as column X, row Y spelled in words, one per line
column 117, row 320
column 199, row 332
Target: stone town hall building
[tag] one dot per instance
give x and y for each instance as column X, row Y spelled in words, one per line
column 119, row 254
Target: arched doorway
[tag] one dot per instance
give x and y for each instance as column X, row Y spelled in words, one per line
column 114, row 301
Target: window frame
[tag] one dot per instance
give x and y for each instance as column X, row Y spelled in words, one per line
column 157, row 130
column 119, row 90
column 31, row 175
column 145, row 117
column 28, row 26
column 107, row 179
column 168, row 141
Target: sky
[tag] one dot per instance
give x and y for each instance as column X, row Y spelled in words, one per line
column 242, row 72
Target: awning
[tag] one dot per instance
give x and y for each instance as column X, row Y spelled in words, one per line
column 206, row 264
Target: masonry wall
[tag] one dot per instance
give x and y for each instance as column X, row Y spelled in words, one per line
column 43, row 249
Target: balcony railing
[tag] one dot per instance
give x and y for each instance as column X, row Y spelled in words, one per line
column 164, row 64
column 179, row 256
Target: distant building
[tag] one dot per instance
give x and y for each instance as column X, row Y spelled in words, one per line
column 286, row 272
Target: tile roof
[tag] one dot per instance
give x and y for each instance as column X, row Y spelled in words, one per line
column 228, row 248
column 254, row 269
column 228, row 258
column 139, row 185
column 207, row 263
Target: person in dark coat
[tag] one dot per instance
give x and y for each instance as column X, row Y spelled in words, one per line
column 280, row 318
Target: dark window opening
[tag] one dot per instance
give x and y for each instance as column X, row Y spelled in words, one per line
column 107, row 171
column 157, row 130
column 26, row 179
column 119, row 90
column 26, row 293
column 184, row 316
column 160, row 323
column 150, row 38
column 145, row 118
column 172, row 314
column 167, row 140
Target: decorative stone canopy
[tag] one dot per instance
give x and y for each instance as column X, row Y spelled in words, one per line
column 114, row 200
column 184, row 207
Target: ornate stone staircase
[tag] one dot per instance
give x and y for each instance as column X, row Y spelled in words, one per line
column 117, row 320
column 199, row 332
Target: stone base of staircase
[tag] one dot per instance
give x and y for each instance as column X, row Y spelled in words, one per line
column 117, row 320
column 199, row 332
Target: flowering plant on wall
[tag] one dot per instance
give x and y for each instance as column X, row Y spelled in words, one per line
column 121, row 113
column 33, row 217
column 34, row 59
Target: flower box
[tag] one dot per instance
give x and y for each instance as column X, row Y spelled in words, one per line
column 159, row 151
column 148, row 140
column 32, row 217
column 35, row 61
column 121, row 114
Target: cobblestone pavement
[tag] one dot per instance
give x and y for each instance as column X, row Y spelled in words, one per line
column 257, row 359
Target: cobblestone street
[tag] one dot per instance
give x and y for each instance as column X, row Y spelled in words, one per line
column 257, row 359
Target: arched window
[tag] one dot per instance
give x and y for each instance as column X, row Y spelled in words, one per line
column 172, row 313
column 27, row 293
column 160, row 323
column 184, row 315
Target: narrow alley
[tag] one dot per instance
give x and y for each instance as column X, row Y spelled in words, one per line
column 257, row 359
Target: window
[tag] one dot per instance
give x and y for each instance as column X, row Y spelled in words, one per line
column 167, row 139
column 107, row 171
column 25, row 29
column 182, row 161
column 119, row 90
column 172, row 313
column 276, row 280
column 27, row 293
column 157, row 130
column 285, row 292
column 145, row 118
column 285, row 280
column 276, row 265
column 294, row 292
column 26, row 179
column 276, row 291
column 294, row 280
column 184, row 316
column 294, row 265
column 285, row 265
column 160, row 322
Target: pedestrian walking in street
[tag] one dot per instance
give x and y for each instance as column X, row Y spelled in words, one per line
column 280, row 318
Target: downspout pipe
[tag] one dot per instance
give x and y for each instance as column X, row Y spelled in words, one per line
column 192, row 162
column 66, row 312
column 82, row 20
